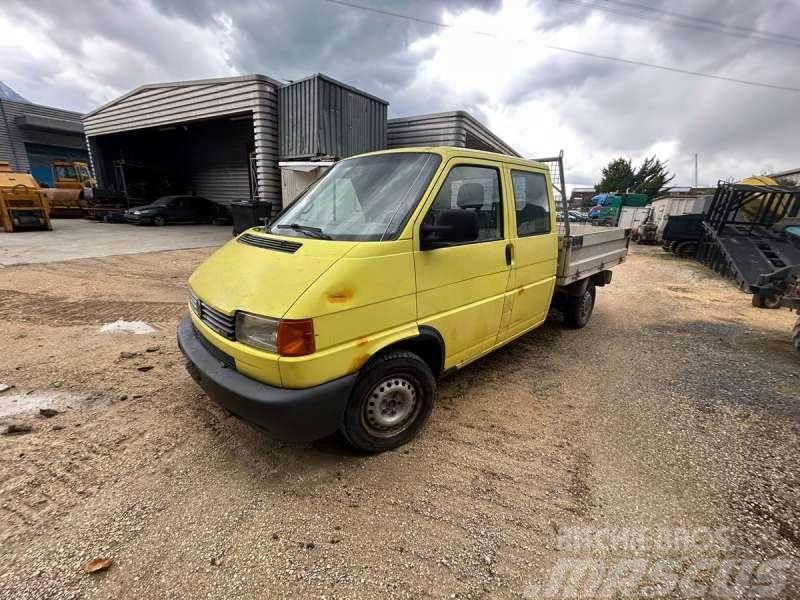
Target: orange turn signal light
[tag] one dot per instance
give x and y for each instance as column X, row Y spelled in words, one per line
column 296, row 337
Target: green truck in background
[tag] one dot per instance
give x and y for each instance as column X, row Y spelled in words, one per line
column 609, row 208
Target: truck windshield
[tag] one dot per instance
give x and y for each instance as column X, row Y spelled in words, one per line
column 368, row 198
column 63, row 172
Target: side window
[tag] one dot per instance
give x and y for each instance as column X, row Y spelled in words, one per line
column 531, row 203
column 475, row 189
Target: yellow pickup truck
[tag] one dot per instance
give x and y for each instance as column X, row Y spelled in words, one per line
column 395, row 268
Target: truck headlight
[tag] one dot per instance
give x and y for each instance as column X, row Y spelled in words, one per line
column 285, row 337
column 261, row 332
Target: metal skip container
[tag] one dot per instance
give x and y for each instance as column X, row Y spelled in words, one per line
column 322, row 117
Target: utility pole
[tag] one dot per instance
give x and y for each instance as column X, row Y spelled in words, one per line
column 695, row 169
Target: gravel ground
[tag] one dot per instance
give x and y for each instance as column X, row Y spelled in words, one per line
column 672, row 416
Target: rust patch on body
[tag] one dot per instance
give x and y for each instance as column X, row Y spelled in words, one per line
column 358, row 362
column 521, row 290
column 362, row 342
column 340, row 297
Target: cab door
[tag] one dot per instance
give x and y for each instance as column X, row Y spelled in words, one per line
column 534, row 240
column 461, row 288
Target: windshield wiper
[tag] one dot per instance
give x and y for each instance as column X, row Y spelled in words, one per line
column 314, row 232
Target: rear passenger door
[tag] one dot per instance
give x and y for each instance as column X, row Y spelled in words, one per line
column 535, row 250
column 461, row 288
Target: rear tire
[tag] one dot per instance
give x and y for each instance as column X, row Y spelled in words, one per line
column 796, row 335
column 390, row 403
column 685, row 249
column 578, row 309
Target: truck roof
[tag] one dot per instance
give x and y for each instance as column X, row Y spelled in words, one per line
column 447, row 152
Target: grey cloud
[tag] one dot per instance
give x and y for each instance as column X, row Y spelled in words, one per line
column 627, row 108
column 562, row 73
column 291, row 40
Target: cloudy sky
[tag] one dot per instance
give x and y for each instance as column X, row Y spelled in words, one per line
column 507, row 62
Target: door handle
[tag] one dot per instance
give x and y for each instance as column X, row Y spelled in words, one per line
column 509, row 253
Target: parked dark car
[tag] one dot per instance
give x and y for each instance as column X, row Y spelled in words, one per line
column 174, row 209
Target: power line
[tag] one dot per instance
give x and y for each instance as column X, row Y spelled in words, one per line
column 573, row 51
column 389, row 13
column 677, row 70
column 689, row 22
column 720, row 24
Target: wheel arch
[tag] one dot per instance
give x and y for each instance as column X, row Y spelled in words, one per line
column 578, row 288
column 428, row 344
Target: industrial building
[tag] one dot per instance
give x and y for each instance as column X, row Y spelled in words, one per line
column 216, row 138
column 32, row 136
column 221, row 138
column 455, row 128
column 320, row 116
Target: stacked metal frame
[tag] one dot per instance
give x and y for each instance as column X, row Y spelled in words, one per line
column 739, row 239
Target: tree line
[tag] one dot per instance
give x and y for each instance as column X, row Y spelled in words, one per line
column 650, row 178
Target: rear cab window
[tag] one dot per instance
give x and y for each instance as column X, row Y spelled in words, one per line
column 531, row 202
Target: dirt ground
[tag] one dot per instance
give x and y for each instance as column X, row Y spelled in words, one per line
column 675, row 410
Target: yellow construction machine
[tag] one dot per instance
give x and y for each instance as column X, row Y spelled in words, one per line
column 72, row 185
column 22, row 204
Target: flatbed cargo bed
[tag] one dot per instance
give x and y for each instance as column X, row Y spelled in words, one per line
column 589, row 249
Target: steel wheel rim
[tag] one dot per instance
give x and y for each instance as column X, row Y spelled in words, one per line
column 586, row 305
column 391, row 406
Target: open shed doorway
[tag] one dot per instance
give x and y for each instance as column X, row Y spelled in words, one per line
column 210, row 159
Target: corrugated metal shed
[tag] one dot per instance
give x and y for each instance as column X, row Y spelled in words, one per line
column 164, row 105
column 24, row 123
column 320, row 116
column 455, row 128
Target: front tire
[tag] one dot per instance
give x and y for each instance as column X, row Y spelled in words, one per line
column 771, row 301
column 159, row 221
column 578, row 309
column 390, row 403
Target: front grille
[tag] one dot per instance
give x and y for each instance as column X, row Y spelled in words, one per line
column 223, row 357
column 223, row 324
column 269, row 243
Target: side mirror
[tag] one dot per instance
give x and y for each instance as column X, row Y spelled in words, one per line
column 453, row 226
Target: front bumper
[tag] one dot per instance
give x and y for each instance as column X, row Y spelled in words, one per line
column 138, row 219
column 295, row 415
